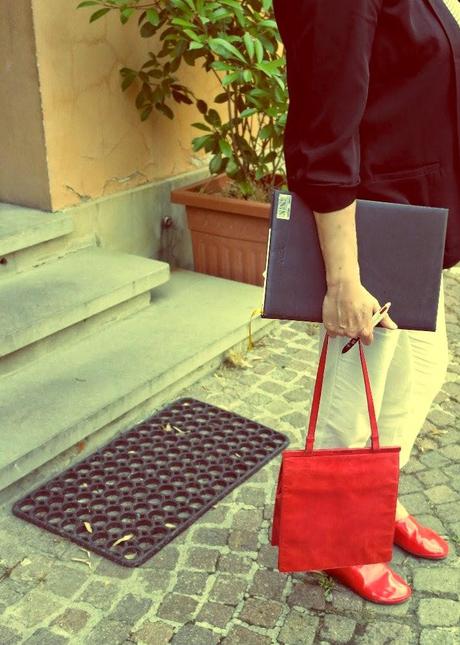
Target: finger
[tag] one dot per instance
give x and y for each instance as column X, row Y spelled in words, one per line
column 388, row 322
column 367, row 336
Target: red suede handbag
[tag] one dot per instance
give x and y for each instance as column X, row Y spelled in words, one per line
column 336, row 507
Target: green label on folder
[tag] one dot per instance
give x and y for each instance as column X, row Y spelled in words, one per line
column 283, row 209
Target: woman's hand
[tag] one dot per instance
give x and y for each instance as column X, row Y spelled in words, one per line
column 348, row 308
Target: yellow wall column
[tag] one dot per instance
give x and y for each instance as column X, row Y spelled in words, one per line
column 23, row 166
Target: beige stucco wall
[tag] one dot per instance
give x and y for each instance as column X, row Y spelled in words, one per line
column 23, row 167
column 94, row 141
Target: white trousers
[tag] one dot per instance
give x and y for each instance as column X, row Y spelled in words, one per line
column 406, row 371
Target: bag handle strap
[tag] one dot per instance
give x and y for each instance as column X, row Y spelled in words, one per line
column 317, row 398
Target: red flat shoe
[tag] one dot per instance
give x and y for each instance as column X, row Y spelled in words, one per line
column 419, row 540
column 375, row 582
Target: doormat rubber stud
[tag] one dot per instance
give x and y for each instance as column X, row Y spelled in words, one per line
column 131, row 497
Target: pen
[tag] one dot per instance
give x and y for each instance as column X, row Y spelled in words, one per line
column 376, row 318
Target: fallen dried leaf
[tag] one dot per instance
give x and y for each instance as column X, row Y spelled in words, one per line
column 84, row 562
column 170, row 525
column 436, row 431
column 236, row 359
column 25, row 562
column 125, row 538
column 88, row 527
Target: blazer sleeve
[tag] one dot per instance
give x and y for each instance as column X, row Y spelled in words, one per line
column 328, row 47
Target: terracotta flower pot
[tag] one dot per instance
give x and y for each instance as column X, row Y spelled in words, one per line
column 229, row 235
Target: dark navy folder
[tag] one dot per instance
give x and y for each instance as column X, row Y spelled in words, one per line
column 400, row 255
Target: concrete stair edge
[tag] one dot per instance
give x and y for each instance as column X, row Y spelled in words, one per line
column 24, row 227
column 20, row 359
column 145, row 275
column 100, row 428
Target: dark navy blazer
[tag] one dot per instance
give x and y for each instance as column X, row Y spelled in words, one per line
column 374, row 104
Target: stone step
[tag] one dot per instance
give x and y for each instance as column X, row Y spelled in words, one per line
column 72, row 401
column 29, row 237
column 66, row 299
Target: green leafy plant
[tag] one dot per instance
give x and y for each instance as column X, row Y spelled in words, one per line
column 238, row 42
column 328, row 584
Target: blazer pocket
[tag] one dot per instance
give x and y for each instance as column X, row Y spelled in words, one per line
column 407, row 173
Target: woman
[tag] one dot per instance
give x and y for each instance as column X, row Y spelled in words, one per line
column 374, row 113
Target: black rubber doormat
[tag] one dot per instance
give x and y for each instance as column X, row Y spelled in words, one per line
column 131, row 497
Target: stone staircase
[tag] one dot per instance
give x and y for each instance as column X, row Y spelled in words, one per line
column 93, row 341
